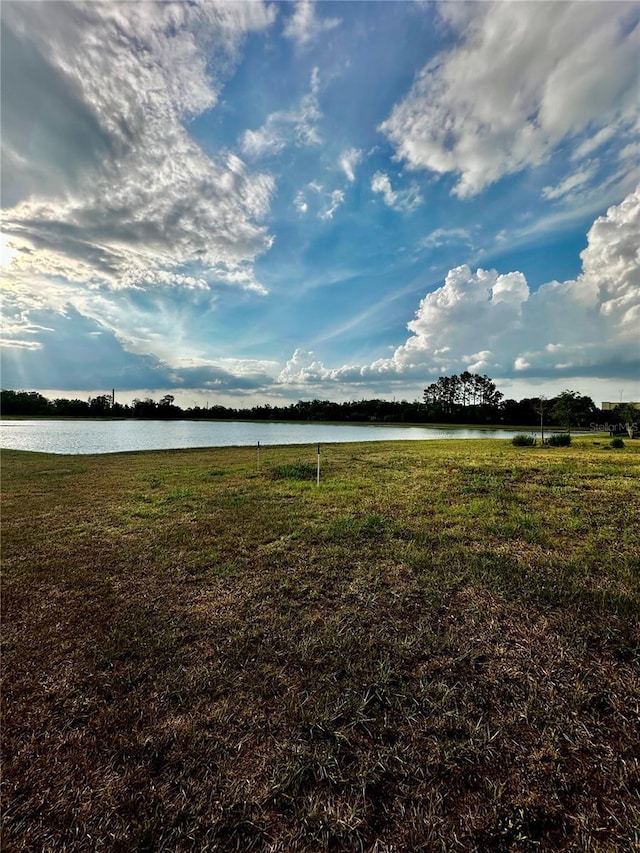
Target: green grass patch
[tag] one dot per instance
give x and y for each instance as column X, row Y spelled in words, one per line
column 294, row 471
column 440, row 642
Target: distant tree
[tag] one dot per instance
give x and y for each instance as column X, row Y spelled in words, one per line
column 466, row 388
column 564, row 408
column 490, row 395
column 572, row 408
column 167, row 409
column 477, row 388
column 118, row 410
column 629, row 416
column 144, row 408
column 71, row 408
column 100, row 406
column 520, row 412
column 463, row 398
column 25, row 403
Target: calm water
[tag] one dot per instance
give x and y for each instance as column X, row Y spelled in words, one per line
column 60, row 436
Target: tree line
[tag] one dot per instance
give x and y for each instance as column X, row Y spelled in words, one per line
column 466, row 398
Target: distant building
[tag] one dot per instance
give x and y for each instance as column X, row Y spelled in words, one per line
column 607, row 407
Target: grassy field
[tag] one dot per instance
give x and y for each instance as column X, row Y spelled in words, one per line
column 437, row 650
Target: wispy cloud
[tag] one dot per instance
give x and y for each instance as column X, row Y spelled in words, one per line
column 572, row 182
column 336, row 199
column 322, row 201
column 287, row 127
column 445, row 236
column 300, row 202
column 348, row 161
column 304, row 25
column 401, row 200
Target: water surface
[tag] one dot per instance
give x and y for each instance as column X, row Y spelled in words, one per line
column 96, row 436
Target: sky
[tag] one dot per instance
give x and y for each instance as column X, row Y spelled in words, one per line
column 255, row 202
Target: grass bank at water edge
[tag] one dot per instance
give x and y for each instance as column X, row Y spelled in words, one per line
column 438, row 649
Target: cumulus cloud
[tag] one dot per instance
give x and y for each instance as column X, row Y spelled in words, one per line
column 287, row 127
column 460, row 322
column 493, row 323
column 304, row 26
column 303, row 368
column 402, row 200
column 517, row 84
column 105, row 186
column 611, row 267
column 581, row 325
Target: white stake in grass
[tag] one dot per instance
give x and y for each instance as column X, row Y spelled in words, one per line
column 318, row 474
column 258, row 458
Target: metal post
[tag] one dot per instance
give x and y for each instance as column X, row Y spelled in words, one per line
column 318, row 473
column 258, row 458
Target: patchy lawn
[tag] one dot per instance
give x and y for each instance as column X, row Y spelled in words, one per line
column 438, row 649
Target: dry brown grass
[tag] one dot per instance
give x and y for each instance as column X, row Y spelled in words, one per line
column 438, row 650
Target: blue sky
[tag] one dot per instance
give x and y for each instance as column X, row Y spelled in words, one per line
column 262, row 202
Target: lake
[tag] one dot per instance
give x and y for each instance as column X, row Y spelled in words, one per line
column 96, row 436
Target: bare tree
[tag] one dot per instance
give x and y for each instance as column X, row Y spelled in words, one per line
column 542, row 401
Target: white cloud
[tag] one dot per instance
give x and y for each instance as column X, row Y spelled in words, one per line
column 117, row 200
column 402, row 200
column 302, row 368
column 516, row 85
column 592, row 143
column 571, row 183
column 287, row 127
column 584, row 323
column 336, row 199
column 348, row 161
column 118, row 195
column 490, row 323
column 445, row 236
column 326, row 201
column 611, row 266
column 15, row 343
column 304, row 26
column 300, row 202
column 631, row 152
column 461, row 322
